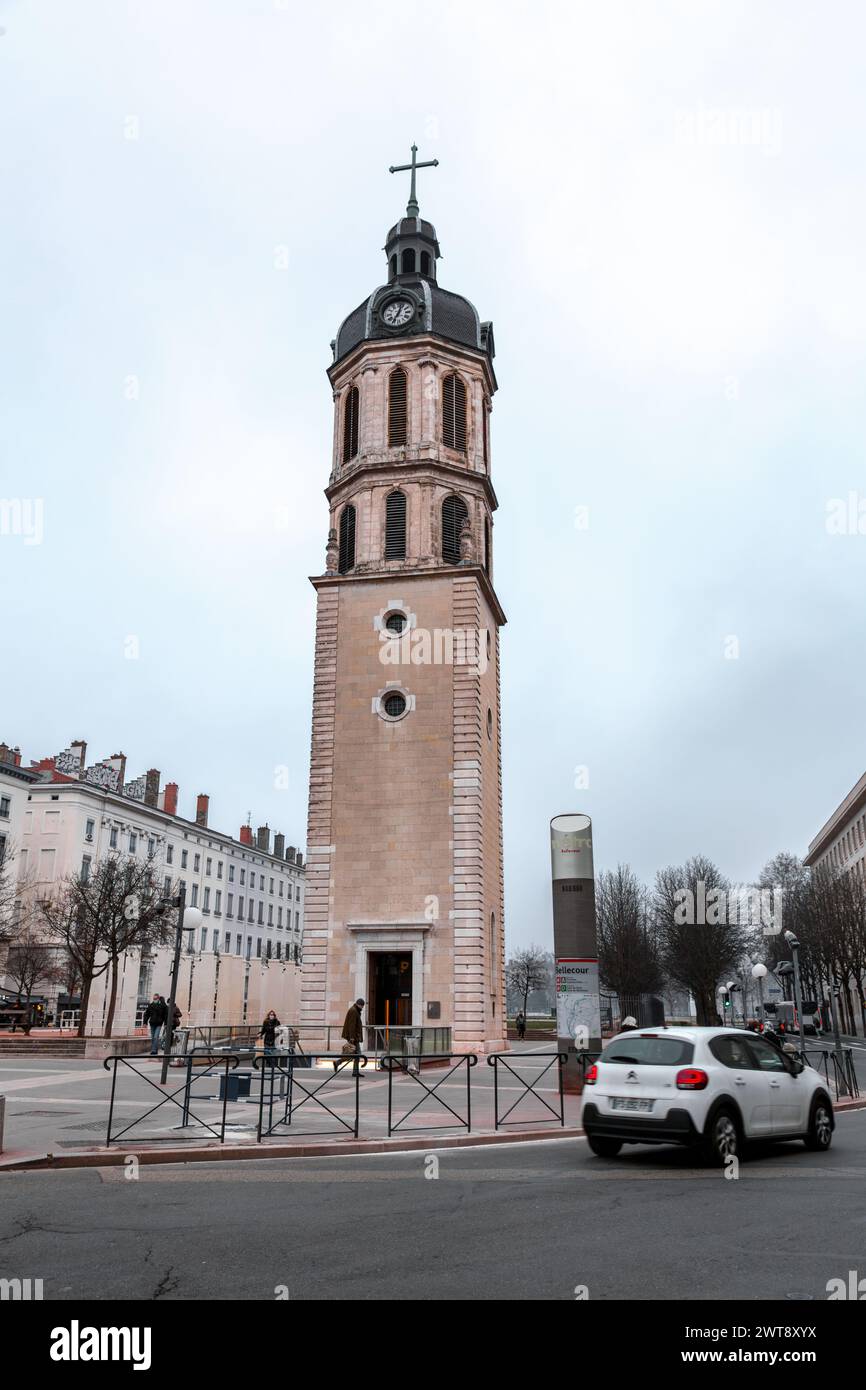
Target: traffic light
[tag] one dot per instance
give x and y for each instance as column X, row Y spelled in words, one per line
column 727, row 1001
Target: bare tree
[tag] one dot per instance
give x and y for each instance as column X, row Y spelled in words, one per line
column 527, row 970
column 627, row 947
column 31, row 961
column 698, row 941
column 116, row 908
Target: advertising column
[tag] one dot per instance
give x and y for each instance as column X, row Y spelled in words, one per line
column 578, row 1013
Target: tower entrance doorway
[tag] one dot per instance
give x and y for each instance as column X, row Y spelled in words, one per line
column 389, row 988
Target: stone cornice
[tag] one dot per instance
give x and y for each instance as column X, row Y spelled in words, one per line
column 397, row 469
column 441, row 350
column 392, row 579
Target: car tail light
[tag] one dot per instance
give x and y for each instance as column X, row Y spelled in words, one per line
column 591, row 1076
column 692, row 1079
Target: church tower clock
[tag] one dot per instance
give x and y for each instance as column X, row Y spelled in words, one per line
column 404, row 886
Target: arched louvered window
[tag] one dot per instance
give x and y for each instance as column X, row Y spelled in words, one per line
column 395, row 526
column 407, row 264
column 346, row 560
column 397, row 408
column 350, row 424
column 393, row 265
column 454, row 513
column 425, row 262
column 454, row 413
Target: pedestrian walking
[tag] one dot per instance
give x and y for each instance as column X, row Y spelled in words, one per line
column 353, row 1035
column 629, row 1024
column 520, row 1023
column 154, row 1018
column 268, row 1032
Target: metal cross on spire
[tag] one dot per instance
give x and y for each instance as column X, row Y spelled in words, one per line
column 412, row 205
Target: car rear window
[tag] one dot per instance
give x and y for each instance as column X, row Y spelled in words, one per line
column 649, row 1052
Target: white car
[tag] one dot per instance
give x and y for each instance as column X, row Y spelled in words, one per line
column 714, row 1088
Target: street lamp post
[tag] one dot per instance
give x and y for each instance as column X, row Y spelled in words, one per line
column 759, row 971
column 834, row 992
column 188, row 918
column 798, row 996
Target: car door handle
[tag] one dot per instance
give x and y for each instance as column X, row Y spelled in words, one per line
column 777, row 1084
column 738, row 1081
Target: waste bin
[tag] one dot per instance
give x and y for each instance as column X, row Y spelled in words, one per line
column 412, row 1050
column 235, row 1085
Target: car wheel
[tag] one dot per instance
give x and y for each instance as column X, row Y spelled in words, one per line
column 605, row 1148
column 721, row 1139
column 819, row 1135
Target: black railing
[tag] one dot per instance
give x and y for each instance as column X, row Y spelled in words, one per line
column 227, row 1061
column 283, row 1091
column 503, row 1059
column 392, row 1064
column 838, row 1071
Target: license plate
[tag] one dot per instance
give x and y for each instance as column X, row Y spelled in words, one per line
column 630, row 1103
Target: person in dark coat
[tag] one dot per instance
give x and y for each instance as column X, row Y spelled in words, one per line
column 154, row 1018
column 520, row 1024
column 268, row 1032
column 353, row 1034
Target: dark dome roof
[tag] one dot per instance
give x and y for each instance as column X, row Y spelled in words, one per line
column 449, row 315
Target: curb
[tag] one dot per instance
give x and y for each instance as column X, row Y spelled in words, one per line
column 108, row 1158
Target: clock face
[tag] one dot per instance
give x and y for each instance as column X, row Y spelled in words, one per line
column 398, row 312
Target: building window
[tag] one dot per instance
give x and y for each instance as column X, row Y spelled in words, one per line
column 489, row 722
column 196, row 864
column 208, row 866
column 169, row 854
column 351, row 410
column 231, row 873
column 282, row 886
column 228, row 943
column 279, row 950
column 89, row 828
column 151, row 848
column 205, row 907
column 204, row 938
column 486, row 546
column 218, row 903
column 219, row 868
column 262, row 883
column 112, row 838
column 425, row 262
column 393, row 705
column 133, row 842
column 454, row 413
column 166, row 887
column 346, row 556
column 454, row 513
column 298, row 894
column 393, row 266
column 249, row 946
column 243, row 877
column 271, row 889
column 261, row 914
column 194, row 896
column 184, row 856
column 407, row 261
column 238, row 944
column 230, row 904
column 395, row 526
column 259, row 948
column 297, row 921
column 397, row 408
column 279, row 917
column 270, row 914
column 85, row 869
column 251, row 911
column 241, row 908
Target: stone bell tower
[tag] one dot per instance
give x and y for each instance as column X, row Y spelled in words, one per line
column 404, row 889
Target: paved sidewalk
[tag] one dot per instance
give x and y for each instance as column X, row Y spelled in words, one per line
column 62, row 1108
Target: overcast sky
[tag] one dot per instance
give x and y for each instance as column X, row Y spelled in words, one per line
column 660, row 206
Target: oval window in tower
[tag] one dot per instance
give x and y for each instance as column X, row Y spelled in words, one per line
column 454, row 413
column 395, row 525
column 397, row 408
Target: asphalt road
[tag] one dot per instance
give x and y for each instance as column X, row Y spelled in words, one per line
column 527, row 1221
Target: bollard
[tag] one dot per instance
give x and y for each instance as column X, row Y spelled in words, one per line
column 2, row 1120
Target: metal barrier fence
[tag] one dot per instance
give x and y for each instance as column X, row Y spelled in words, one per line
column 465, row 1060
column 165, row 1098
column 502, row 1059
column 272, row 1065
column 837, row 1072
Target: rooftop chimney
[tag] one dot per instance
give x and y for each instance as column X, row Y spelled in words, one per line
column 10, row 755
column 151, row 787
column 299, row 859
column 246, row 835
column 290, row 854
column 263, row 839
column 201, row 805
column 279, row 846
column 169, row 799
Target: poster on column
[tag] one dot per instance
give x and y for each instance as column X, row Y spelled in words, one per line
column 578, row 1014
